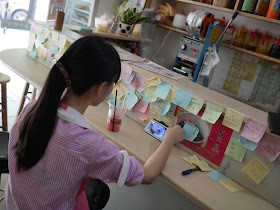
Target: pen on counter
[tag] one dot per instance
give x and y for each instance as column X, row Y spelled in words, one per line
column 186, row 172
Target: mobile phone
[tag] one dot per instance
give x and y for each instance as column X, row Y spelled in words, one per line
column 155, row 129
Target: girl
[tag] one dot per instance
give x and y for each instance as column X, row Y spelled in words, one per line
column 52, row 150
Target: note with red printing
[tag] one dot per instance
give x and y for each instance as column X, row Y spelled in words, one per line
column 139, row 83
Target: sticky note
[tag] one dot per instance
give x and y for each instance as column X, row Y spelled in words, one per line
column 139, row 83
column 39, row 30
column 172, row 93
column 190, row 131
column 143, row 116
column 131, row 77
column 33, row 53
column 269, row 147
column 155, row 113
column 125, row 71
column 235, row 150
column 131, row 98
column 248, row 144
column 191, row 159
column 253, row 130
column 153, row 82
column 141, row 106
column 195, row 105
column 121, row 90
column 54, row 49
column 163, row 90
column 41, row 40
column 212, row 113
column 182, row 98
column 33, row 28
column 31, row 41
column 150, row 94
column 233, row 119
column 62, row 41
column 54, row 38
column 166, row 108
column 45, row 34
column 216, row 175
column 231, row 185
column 202, row 165
column 256, row 170
column 169, row 120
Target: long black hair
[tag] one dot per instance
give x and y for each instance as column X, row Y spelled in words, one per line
column 88, row 61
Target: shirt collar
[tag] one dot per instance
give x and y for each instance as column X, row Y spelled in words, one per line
column 71, row 115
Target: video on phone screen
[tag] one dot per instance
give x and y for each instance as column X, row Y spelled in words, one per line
column 157, row 130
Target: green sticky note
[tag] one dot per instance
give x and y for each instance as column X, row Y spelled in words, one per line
column 150, row 94
column 32, row 53
column 163, row 90
column 235, row 150
column 182, row 98
column 131, row 98
column 212, row 113
column 195, row 105
column 190, row 131
column 166, row 108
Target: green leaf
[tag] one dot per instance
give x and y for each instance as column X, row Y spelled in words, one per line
column 140, row 20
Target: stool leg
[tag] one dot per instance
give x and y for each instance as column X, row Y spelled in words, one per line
column 34, row 94
column 22, row 101
column 4, row 107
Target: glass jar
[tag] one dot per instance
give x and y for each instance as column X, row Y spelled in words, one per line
column 265, row 40
column 239, row 40
column 275, row 48
column 262, row 7
column 254, row 41
column 249, row 6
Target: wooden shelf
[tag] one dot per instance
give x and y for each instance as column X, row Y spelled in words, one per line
column 225, row 45
column 207, row 5
column 259, row 17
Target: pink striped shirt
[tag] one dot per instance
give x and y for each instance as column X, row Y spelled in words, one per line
column 74, row 154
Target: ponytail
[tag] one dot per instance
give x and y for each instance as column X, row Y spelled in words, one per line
column 38, row 125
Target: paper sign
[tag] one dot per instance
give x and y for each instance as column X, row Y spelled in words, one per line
column 235, row 150
column 248, row 144
column 233, row 119
column 195, row 105
column 153, row 82
column 231, row 185
column 163, row 90
column 169, row 120
column 253, row 130
column 256, row 170
column 155, row 113
column 212, row 113
column 216, row 175
column 62, row 41
column 269, row 147
column 190, row 131
column 202, row 165
column 45, row 34
column 150, row 94
column 131, row 77
column 54, row 37
column 121, row 90
column 139, row 83
column 54, row 49
column 131, row 98
column 141, row 106
column 166, row 108
column 182, row 98
column 191, row 159
column 125, row 72
column 143, row 116
column 172, row 93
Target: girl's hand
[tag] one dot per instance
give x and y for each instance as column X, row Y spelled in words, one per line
column 174, row 134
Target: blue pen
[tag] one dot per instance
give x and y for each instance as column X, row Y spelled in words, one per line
column 186, row 172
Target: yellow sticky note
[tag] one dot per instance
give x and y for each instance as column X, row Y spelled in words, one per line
column 231, row 185
column 155, row 113
column 169, row 119
column 45, row 33
column 31, row 41
column 191, row 159
column 150, row 93
column 233, row 119
column 251, row 69
column 54, row 38
column 153, row 82
column 172, row 93
column 195, row 105
column 256, row 170
column 121, row 90
column 235, row 150
column 202, row 165
column 212, row 113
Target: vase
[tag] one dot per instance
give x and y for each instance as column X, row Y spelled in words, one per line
column 125, row 29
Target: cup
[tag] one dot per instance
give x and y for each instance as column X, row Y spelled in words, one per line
column 115, row 115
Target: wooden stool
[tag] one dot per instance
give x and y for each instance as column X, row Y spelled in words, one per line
column 3, row 80
column 25, row 96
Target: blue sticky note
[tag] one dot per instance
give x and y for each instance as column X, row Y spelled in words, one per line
column 166, row 108
column 162, row 90
column 42, row 40
column 190, row 131
column 131, row 77
column 216, row 175
column 32, row 53
column 182, row 98
column 131, row 98
column 248, row 144
column 54, row 49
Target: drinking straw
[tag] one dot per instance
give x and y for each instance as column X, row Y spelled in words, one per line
column 115, row 110
column 123, row 101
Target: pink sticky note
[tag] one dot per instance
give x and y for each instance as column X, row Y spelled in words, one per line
column 126, row 72
column 269, row 147
column 253, row 130
column 141, row 106
column 143, row 116
column 139, row 82
column 33, row 28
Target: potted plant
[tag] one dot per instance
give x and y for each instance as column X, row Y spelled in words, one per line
column 128, row 15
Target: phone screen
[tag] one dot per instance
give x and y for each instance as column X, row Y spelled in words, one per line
column 156, row 130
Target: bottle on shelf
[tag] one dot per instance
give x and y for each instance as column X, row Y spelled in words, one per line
column 224, row 3
column 262, row 7
column 239, row 40
column 249, row 6
column 273, row 10
column 254, row 41
column 275, row 48
column 265, row 41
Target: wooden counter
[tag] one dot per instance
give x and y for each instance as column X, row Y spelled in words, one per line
column 198, row 186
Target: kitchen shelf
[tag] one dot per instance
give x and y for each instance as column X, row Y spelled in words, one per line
column 259, row 17
column 225, row 45
column 82, row 11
